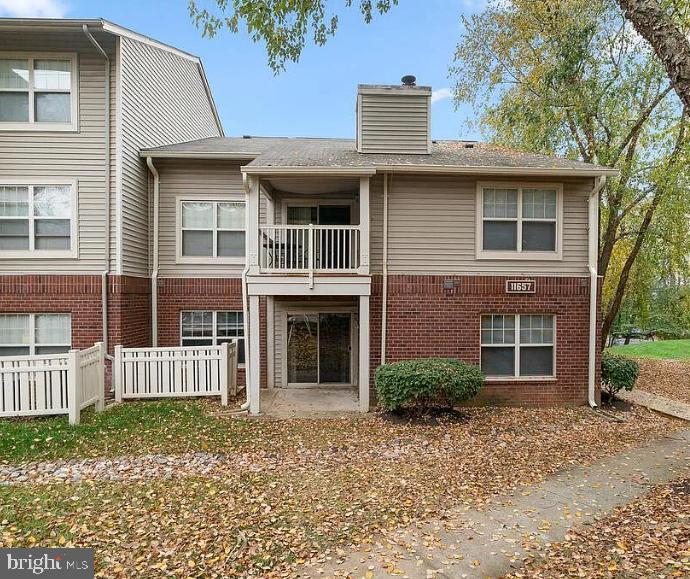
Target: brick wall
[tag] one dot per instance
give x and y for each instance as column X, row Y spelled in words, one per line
column 427, row 320
column 178, row 294
column 129, row 305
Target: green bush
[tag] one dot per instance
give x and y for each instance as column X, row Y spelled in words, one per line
column 618, row 373
column 427, row 381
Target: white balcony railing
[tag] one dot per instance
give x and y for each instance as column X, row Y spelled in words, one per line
column 309, row 249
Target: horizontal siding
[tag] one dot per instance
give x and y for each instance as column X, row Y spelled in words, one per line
column 195, row 180
column 396, row 123
column 79, row 155
column 431, row 229
column 279, row 324
column 163, row 101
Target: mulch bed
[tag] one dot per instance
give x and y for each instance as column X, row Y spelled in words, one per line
column 649, row 537
column 668, row 378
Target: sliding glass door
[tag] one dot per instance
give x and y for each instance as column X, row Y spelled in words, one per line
column 319, row 348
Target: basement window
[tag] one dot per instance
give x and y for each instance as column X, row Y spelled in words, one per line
column 209, row 328
column 518, row 346
column 29, row 334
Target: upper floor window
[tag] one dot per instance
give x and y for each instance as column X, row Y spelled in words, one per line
column 30, row 334
column 38, row 92
column 37, row 220
column 211, row 230
column 519, row 221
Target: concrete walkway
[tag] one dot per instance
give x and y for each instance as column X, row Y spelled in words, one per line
column 308, row 402
column 490, row 543
column 657, row 403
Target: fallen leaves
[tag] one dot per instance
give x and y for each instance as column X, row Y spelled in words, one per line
column 649, row 537
column 668, row 378
column 300, row 489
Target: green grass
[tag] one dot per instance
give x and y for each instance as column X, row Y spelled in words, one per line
column 662, row 350
column 132, row 428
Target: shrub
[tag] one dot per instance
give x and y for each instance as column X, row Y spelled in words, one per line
column 426, row 381
column 618, row 373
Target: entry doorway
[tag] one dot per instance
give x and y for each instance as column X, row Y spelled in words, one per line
column 319, row 348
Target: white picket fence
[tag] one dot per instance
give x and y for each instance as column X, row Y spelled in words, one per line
column 44, row 385
column 176, row 372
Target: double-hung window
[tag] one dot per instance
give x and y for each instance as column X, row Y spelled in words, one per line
column 519, row 221
column 209, row 328
column 38, row 91
column 37, row 220
column 518, row 345
column 29, row 334
column 211, row 230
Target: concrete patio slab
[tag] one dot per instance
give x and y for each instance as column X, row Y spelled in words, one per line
column 308, row 402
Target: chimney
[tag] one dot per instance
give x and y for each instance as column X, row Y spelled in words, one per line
column 394, row 118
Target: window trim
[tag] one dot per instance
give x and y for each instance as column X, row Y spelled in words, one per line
column 32, row 125
column 517, row 345
column 32, row 332
column 215, row 329
column 200, row 259
column 518, row 253
column 73, row 251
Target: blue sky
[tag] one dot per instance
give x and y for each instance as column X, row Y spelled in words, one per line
column 316, row 96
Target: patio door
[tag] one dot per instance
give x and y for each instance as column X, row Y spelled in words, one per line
column 319, row 349
column 332, row 247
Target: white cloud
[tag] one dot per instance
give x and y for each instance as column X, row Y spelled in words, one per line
column 440, row 94
column 33, row 8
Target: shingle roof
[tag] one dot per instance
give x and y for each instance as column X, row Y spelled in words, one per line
column 299, row 152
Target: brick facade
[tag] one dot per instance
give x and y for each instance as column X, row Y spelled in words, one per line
column 179, row 294
column 129, row 305
column 426, row 318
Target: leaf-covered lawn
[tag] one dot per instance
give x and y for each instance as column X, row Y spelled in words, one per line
column 298, row 487
column 667, row 378
column 649, row 537
column 133, row 428
column 662, row 349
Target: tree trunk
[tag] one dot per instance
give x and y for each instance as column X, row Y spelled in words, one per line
column 670, row 45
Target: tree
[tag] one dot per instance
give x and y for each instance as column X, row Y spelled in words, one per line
column 667, row 32
column 282, row 24
column 571, row 77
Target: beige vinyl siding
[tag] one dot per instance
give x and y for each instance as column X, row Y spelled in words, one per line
column 163, row 101
column 432, row 224
column 78, row 155
column 279, row 326
column 193, row 180
column 394, row 123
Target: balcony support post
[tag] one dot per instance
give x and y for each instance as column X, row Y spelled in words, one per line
column 363, row 226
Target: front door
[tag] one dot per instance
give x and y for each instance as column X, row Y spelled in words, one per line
column 319, row 349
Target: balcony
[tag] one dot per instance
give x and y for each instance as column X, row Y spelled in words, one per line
column 309, row 249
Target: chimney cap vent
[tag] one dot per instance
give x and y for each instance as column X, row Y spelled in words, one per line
column 409, row 80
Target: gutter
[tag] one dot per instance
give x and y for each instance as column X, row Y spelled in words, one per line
column 593, row 258
column 106, row 172
column 199, row 155
column 384, row 289
column 154, row 273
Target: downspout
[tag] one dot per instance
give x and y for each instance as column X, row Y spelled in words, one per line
column 106, row 236
column 593, row 257
column 154, row 272
column 384, row 289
